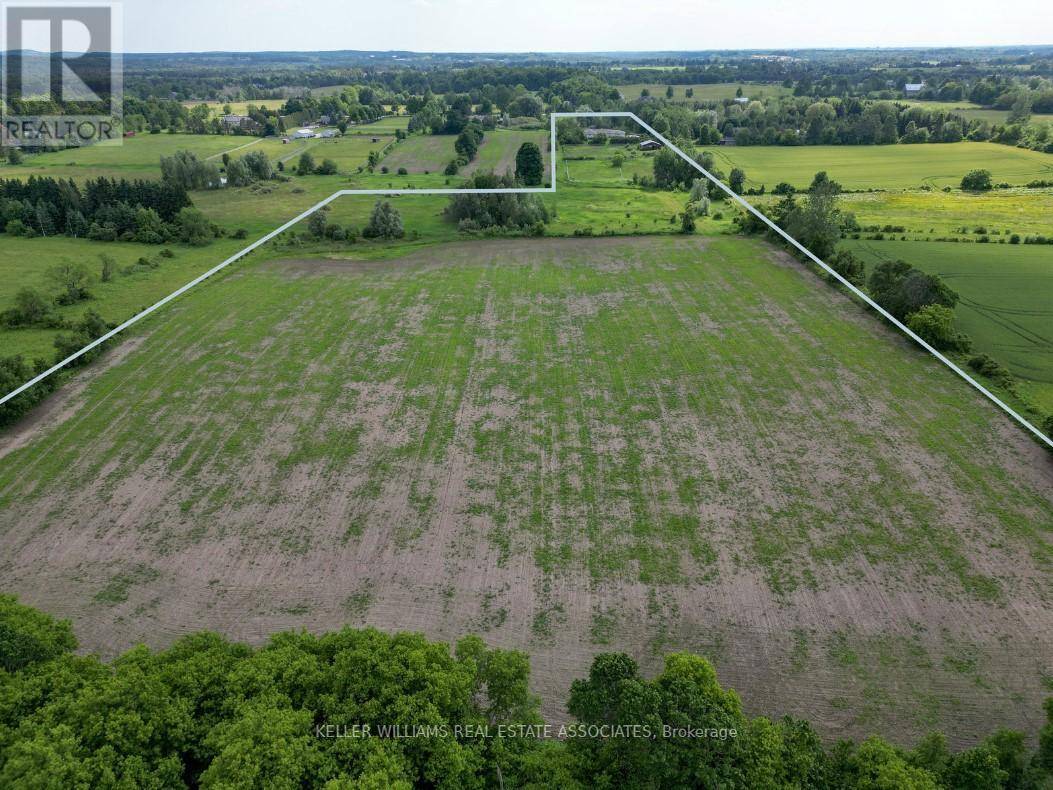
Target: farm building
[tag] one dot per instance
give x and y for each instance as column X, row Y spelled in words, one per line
column 301, row 134
column 913, row 88
column 650, row 145
column 239, row 122
column 614, row 135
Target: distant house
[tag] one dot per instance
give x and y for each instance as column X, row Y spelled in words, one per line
column 239, row 122
column 726, row 140
column 329, row 133
column 301, row 134
column 325, row 120
column 650, row 145
column 913, row 88
column 593, row 133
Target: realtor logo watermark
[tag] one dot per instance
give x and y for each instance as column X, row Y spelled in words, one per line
column 62, row 73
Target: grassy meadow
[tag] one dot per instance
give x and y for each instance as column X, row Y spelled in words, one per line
column 135, row 157
column 997, row 214
column 862, row 167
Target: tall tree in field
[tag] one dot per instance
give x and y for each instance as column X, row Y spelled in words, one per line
column 737, row 180
column 384, row 223
column 529, row 165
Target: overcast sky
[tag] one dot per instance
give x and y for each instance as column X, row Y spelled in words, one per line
column 575, row 25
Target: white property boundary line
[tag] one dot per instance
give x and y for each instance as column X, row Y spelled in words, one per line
column 534, row 190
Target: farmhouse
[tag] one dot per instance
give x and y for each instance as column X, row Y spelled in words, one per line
column 239, row 122
column 913, row 88
column 650, row 145
column 301, row 134
column 595, row 134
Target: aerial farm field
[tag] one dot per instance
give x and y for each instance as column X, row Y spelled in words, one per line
column 135, row 157
column 562, row 444
column 885, row 166
column 1006, row 304
column 706, row 92
column 565, row 444
column 423, row 154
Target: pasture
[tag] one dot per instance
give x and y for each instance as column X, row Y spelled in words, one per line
column 706, row 92
column 422, row 153
column 236, row 107
column 135, row 157
column 1006, row 302
column 349, row 152
column 862, row 167
column 926, row 214
column 429, row 154
column 25, row 263
column 563, row 445
column 499, row 148
column 972, row 111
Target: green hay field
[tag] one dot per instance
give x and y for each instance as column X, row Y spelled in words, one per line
column 706, row 92
column 136, row 157
column 999, row 214
column 1006, row 302
column 884, row 166
column 564, row 444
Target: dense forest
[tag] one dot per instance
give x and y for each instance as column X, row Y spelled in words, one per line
column 363, row 709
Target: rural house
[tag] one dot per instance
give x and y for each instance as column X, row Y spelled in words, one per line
column 913, row 88
column 243, row 122
column 650, row 145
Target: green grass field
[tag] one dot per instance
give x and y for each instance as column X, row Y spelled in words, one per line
column 974, row 111
column 236, row 107
column 136, row 157
column 693, row 442
column 499, row 148
column 926, row 214
column 707, row 92
column 25, row 262
column 422, row 153
column 885, row 166
column 1006, row 302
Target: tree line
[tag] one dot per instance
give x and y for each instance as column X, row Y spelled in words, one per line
column 103, row 209
column 318, row 711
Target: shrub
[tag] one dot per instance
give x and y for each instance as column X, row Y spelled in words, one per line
column 403, row 171
column 73, row 279
column 988, row 366
column 977, row 181
column 109, row 268
column 31, row 308
column 934, row 324
column 327, row 168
